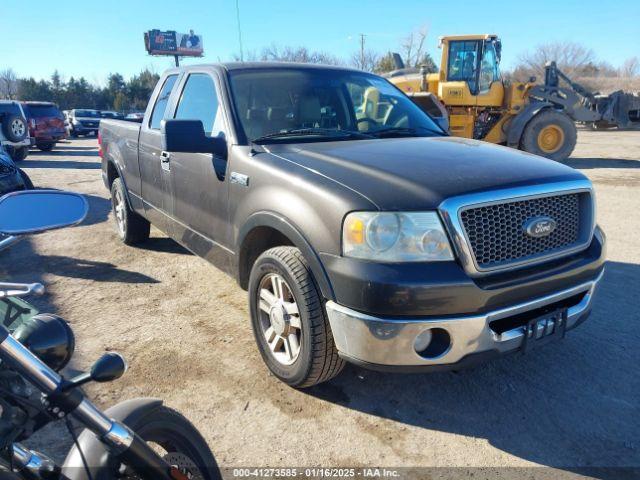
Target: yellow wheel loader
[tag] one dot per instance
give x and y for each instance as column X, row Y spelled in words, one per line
column 470, row 94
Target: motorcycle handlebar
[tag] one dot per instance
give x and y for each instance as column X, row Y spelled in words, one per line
column 20, row 289
column 126, row 443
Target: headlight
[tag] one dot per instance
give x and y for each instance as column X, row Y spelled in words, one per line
column 395, row 237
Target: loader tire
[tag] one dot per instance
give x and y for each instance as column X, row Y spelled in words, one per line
column 550, row 134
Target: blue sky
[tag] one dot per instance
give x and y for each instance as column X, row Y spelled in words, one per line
column 93, row 38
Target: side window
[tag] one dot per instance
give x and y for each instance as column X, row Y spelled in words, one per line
column 199, row 101
column 161, row 103
column 488, row 69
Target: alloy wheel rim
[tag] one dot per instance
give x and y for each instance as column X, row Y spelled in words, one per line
column 118, row 207
column 17, row 127
column 279, row 319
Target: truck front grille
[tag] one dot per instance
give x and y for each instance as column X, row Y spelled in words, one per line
column 496, row 232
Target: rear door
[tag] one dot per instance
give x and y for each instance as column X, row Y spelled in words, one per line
column 155, row 180
column 199, row 186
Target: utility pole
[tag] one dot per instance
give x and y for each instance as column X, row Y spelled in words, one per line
column 362, row 66
column 239, row 29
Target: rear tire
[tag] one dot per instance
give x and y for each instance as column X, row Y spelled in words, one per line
column 132, row 228
column 315, row 357
column 46, row 147
column 551, row 134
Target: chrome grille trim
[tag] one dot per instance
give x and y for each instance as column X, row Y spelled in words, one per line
column 451, row 208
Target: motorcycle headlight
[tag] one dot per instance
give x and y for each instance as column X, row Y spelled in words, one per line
column 49, row 337
column 395, row 237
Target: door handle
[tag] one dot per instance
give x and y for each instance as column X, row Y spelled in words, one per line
column 165, row 158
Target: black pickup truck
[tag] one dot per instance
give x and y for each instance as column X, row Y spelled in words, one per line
column 361, row 230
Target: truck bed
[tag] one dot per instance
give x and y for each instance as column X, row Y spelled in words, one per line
column 120, row 139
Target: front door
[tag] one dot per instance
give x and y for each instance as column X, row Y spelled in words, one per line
column 155, row 177
column 199, row 185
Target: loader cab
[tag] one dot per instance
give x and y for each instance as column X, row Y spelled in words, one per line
column 470, row 70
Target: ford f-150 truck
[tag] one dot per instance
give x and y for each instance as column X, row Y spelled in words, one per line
column 361, row 230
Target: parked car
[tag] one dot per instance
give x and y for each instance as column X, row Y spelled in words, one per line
column 360, row 235
column 46, row 124
column 14, row 130
column 110, row 114
column 135, row 116
column 82, row 121
column 12, row 178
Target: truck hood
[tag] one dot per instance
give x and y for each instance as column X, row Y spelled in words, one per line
column 419, row 173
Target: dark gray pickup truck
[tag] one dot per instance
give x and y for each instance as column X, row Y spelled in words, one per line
column 361, row 230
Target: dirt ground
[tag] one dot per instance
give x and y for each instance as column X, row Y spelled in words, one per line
column 184, row 328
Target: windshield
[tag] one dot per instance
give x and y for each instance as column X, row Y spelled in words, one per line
column 87, row 113
column 323, row 103
column 463, row 62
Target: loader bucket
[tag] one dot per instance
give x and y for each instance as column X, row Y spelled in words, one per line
column 619, row 109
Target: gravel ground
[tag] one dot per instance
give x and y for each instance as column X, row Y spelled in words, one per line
column 184, row 327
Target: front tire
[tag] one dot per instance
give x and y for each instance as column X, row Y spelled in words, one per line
column 132, row 228
column 182, row 442
column 18, row 154
column 28, row 184
column 551, row 134
column 289, row 321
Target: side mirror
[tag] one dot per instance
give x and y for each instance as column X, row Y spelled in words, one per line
column 34, row 211
column 108, row 367
column 188, row 136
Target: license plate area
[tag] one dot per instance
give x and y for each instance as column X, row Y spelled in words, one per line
column 544, row 329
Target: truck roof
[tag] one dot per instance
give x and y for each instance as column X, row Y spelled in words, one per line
column 233, row 66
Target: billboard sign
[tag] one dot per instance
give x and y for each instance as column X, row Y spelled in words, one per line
column 158, row 42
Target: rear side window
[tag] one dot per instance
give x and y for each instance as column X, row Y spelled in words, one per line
column 199, row 101
column 161, row 103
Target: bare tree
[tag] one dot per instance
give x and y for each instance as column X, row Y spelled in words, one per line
column 366, row 60
column 298, row 54
column 412, row 47
column 572, row 58
column 630, row 67
column 8, row 84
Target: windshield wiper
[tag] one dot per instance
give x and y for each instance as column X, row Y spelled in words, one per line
column 404, row 131
column 318, row 132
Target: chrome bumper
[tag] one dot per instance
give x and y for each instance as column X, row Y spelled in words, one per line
column 390, row 342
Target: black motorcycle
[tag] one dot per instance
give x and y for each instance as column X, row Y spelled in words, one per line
column 140, row 438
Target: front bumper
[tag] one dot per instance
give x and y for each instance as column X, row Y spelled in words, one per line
column 388, row 343
column 23, row 143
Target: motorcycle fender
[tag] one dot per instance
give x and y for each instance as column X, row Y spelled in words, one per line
column 100, row 461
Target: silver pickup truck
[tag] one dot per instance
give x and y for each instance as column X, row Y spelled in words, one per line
column 361, row 230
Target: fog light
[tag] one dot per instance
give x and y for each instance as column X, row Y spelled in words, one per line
column 423, row 340
column 432, row 343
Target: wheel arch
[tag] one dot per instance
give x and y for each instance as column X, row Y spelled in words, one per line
column 264, row 230
column 111, row 171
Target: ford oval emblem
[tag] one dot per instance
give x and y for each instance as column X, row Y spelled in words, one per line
column 539, row 227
